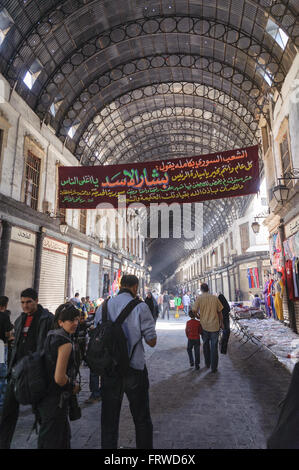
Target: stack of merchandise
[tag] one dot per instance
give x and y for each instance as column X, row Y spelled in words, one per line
column 280, row 339
column 241, row 312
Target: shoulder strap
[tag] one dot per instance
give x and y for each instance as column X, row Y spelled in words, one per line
column 105, row 310
column 127, row 310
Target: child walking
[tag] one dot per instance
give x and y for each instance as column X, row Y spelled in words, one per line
column 193, row 331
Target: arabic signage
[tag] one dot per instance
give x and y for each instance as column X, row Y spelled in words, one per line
column 55, row 245
column 80, row 253
column 190, row 179
column 23, row 236
column 292, row 227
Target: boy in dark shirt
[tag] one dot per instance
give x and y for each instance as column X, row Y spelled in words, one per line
column 193, row 331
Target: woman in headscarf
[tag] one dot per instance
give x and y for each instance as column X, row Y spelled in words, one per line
column 152, row 304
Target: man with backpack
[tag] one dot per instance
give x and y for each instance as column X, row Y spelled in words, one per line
column 31, row 329
column 135, row 322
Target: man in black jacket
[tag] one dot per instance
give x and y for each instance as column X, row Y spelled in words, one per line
column 31, row 329
column 226, row 323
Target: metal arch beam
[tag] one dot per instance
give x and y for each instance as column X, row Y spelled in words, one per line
column 239, row 30
column 235, row 71
column 195, row 133
column 143, row 147
column 197, row 100
column 58, row 68
column 232, row 115
column 238, row 118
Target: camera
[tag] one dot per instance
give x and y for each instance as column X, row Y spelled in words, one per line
column 74, row 409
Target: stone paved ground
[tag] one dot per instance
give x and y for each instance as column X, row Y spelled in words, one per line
column 233, row 409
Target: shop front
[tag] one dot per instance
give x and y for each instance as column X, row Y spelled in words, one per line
column 94, row 277
column 52, row 287
column 20, row 267
column 106, row 277
column 291, row 252
column 79, row 271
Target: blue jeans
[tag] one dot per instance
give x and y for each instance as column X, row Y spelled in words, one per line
column 186, row 309
column 210, row 348
column 94, row 385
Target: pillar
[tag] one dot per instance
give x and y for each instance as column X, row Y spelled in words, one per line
column 38, row 257
column 69, row 271
column 4, row 249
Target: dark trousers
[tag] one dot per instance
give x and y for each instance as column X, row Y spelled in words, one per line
column 165, row 310
column 194, row 344
column 210, row 348
column 135, row 385
column 94, row 385
column 225, row 335
column 54, row 432
column 9, row 418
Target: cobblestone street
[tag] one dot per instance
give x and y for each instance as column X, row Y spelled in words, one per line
column 235, row 408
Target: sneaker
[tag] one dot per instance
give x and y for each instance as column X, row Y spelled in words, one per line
column 92, row 400
column 197, row 367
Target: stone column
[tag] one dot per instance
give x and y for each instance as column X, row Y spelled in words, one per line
column 101, row 276
column 38, row 257
column 69, row 270
column 88, row 282
column 4, row 249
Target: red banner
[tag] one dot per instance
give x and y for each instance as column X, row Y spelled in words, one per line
column 191, row 179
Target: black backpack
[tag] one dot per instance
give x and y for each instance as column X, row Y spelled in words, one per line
column 30, row 376
column 107, row 351
column 30, row 379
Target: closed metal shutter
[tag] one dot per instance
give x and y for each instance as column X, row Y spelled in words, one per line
column 79, row 276
column 94, row 281
column 52, row 280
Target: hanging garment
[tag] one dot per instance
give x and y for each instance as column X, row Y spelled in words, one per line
column 256, row 275
column 289, row 276
column 294, row 278
column 279, row 287
column 249, row 278
column 265, row 292
column 252, row 278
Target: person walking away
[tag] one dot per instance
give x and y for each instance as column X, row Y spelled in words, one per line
column 166, row 305
column 53, row 410
column 152, row 304
column 31, row 329
column 6, row 338
column 256, row 302
column 226, row 324
column 76, row 300
column 135, row 384
column 186, row 303
column 160, row 303
column 6, row 327
column 209, row 308
column 193, row 331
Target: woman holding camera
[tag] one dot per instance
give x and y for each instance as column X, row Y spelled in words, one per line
column 56, row 408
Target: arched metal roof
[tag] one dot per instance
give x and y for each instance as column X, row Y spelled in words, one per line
column 138, row 80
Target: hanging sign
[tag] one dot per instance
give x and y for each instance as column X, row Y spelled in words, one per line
column 191, row 179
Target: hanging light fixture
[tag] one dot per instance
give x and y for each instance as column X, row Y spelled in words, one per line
column 281, row 193
column 255, row 227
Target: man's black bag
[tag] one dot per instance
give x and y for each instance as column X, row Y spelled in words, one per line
column 107, row 351
column 30, row 379
column 286, row 432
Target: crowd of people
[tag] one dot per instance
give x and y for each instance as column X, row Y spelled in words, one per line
column 65, row 336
